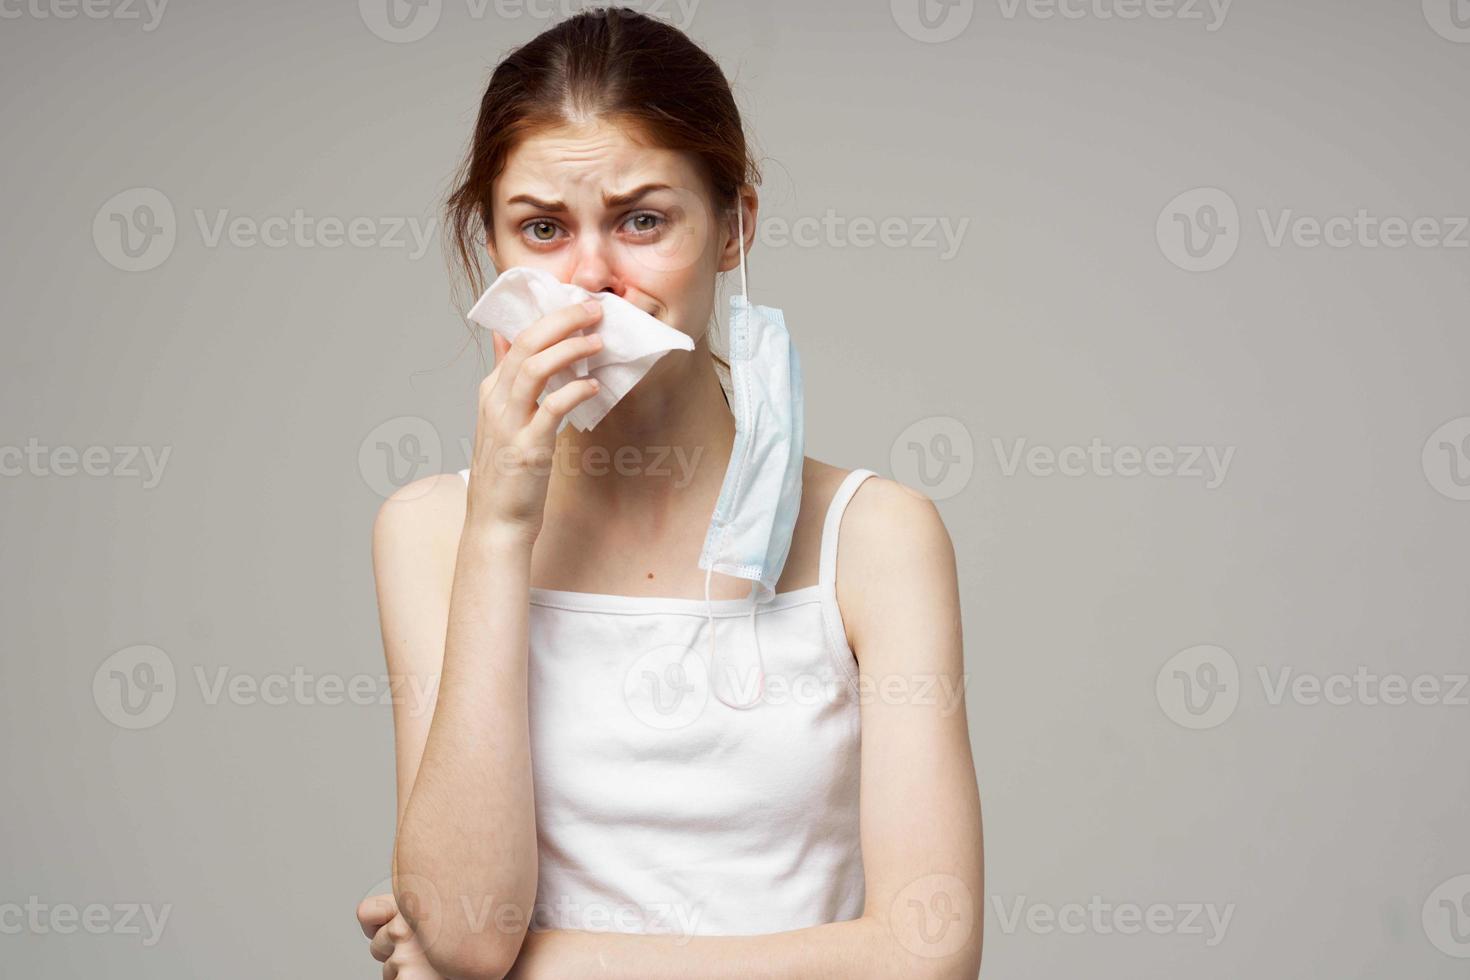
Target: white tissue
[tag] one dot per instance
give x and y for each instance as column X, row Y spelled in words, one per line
column 632, row 341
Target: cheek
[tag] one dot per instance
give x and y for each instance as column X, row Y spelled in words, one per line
column 683, row 298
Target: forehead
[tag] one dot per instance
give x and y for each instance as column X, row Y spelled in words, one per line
column 592, row 157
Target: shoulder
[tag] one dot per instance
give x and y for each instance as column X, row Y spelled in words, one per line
column 879, row 510
column 895, row 562
column 418, row 527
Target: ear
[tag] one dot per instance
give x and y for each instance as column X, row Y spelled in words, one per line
column 749, row 204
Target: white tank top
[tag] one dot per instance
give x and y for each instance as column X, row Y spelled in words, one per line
column 660, row 809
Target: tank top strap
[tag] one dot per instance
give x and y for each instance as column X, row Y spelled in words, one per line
column 827, row 570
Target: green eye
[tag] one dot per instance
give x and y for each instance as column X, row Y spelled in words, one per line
column 644, row 222
column 542, row 231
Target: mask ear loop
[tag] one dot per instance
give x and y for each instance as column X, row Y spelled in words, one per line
column 709, row 572
column 740, row 226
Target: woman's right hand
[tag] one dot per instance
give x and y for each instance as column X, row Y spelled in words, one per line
column 515, row 439
column 393, row 941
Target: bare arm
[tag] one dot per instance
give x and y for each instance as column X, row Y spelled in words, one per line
column 467, row 834
column 921, row 833
column 453, row 594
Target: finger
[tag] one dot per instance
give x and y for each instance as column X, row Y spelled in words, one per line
column 502, row 347
column 556, row 405
column 537, row 370
column 375, row 910
column 554, row 326
column 390, row 971
column 382, row 945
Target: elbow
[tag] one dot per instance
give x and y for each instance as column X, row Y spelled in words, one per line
column 469, row 965
column 916, row 955
column 468, row 939
column 468, row 953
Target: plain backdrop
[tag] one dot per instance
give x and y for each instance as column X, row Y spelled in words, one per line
column 1129, row 192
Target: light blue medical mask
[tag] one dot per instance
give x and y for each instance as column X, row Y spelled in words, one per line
column 750, row 532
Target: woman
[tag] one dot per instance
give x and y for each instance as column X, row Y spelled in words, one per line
column 581, row 799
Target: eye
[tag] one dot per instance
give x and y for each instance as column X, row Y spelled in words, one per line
column 540, row 230
column 644, row 223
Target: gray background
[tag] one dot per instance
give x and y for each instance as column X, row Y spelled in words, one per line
column 1334, row 541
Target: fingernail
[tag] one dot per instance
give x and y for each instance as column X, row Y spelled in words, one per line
column 591, row 306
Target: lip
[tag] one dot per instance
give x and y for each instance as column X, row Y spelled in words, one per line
column 652, row 307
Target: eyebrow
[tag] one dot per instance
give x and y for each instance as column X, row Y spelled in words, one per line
column 608, row 200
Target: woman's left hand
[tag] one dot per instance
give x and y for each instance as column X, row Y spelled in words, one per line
column 393, row 941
